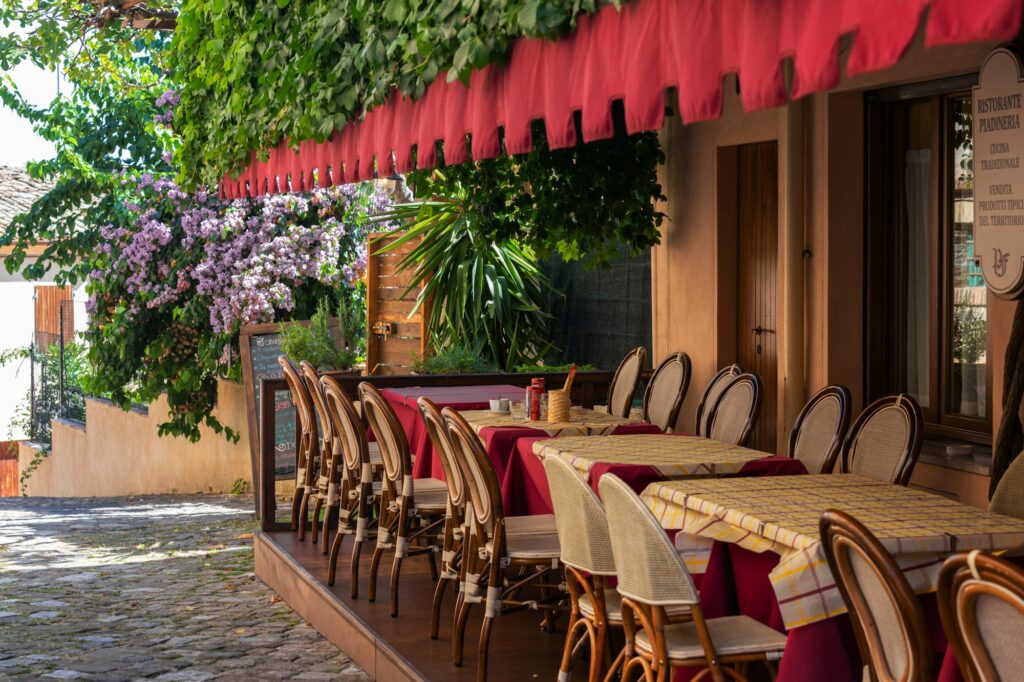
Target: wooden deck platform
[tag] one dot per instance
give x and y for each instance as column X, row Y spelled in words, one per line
column 400, row 648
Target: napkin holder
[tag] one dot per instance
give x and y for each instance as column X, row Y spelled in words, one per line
column 558, row 406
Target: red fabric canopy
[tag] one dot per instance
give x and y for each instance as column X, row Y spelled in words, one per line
column 634, row 54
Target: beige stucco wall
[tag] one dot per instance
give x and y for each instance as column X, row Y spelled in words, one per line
column 119, row 453
column 693, row 293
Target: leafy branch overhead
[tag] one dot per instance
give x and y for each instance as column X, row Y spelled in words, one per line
column 256, row 72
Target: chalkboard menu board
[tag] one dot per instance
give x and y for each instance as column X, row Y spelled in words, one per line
column 261, row 346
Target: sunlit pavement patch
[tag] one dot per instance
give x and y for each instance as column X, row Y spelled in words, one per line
column 156, row 587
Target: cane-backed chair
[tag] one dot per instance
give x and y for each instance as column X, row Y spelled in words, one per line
column 307, row 449
column 454, row 526
column 411, row 512
column 981, row 603
column 887, row 617
column 666, row 391
column 625, row 381
column 1009, row 495
column 324, row 492
column 652, row 578
column 734, row 413
column 817, row 435
column 503, row 555
column 359, row 494
column 885, row 440
column 710, row 396
column 586, row 549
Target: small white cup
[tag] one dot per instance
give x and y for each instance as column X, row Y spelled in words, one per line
column 496, row 405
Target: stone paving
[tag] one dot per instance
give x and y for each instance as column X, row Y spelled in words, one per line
column 156, row 587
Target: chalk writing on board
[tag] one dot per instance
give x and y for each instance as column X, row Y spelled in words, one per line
column 263, row 353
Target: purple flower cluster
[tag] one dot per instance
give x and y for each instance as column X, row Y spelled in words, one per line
column 167, row 103
column 242, row 260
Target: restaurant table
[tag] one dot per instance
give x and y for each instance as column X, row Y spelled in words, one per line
column 500, row 432
column 769, row 527
column 638, row 459
column 403, row 401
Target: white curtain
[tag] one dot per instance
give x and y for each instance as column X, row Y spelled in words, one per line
column 919, row 203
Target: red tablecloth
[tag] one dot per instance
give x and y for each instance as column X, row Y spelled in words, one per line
column 403, row 401
column 524, row 488
column 736, row 582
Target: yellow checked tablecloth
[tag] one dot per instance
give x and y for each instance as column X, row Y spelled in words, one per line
column 781, row 513
column 583, row 422
column 672, row 456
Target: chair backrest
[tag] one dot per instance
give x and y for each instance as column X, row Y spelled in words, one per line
column 580, row 520
column 817, row 435
column 887, row 618
column 648, row 567
column 349, row 427
column 710, row 396
column 885, row 440
column 981, row 603
column 316, row 395
column 478, row 472
column 394, row 446
column 623, row 386
column 437, row 430
column 666, row 390
column 300, row 398
column 1009, row 495
column 734, row 413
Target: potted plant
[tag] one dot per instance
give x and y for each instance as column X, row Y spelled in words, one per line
column 324, row 342
column 970, row 340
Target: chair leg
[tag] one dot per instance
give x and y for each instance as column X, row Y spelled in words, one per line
column 296, row 507
column 396, row 570
column 459, row 636
column 374, row 565
column 332, row 564
column 485, row 644
column 435, row 611
column 318, row 504
column 357, row 550
column 432, row 558
column 303, row 514
column 330, row 516
column 598, row 652
column 570, row 645
column 616, row 665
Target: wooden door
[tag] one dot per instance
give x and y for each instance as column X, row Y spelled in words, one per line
column 757, row 214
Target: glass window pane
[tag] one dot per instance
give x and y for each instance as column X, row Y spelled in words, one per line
column 969, row 328
column 919, row 200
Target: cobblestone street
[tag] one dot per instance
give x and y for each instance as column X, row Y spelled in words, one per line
column 146, row 588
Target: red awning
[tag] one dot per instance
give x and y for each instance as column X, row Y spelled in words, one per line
column 634, row 54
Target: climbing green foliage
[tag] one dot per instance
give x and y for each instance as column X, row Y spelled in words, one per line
column 252, row 73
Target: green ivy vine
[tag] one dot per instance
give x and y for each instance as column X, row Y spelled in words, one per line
column 252, row 73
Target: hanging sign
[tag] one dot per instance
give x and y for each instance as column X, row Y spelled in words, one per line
column 998, row 173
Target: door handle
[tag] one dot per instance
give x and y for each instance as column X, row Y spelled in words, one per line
column 759, row 330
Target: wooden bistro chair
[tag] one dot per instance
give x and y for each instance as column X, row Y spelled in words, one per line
column 455, row 514
column 307, row 449
column 503, row 555
column 652, row 578
column 324, row 492
column 817, row 435
column 981, row 603
column 624, row 382
column 887, row 617
column 587, row 551
column 666, row 390
column 359, row 494
column 710, row 396
column 885, row 440
column 734, row 413
column 411, row 512
column 1009, row 495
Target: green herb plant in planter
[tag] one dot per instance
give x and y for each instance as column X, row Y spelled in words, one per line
column 456, row 359
column 322, row 342
column 970, row 340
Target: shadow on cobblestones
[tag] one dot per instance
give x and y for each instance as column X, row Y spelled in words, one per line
column 152, row 587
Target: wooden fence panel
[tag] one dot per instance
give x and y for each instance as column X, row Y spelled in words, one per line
column 8, row 469
column 395, row 334
column 49, row 299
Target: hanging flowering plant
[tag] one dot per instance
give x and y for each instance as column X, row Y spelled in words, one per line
column 174, row 281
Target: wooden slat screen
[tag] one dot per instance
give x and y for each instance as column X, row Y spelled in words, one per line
column 387, row 301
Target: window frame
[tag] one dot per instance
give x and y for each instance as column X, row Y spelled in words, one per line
column 885, row 262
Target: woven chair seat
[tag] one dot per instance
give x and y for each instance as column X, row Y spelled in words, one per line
column 430, row 494
column 531, row 525
column 533, row 546
column 613, row 605
column 732, row 635
column 373, row 449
